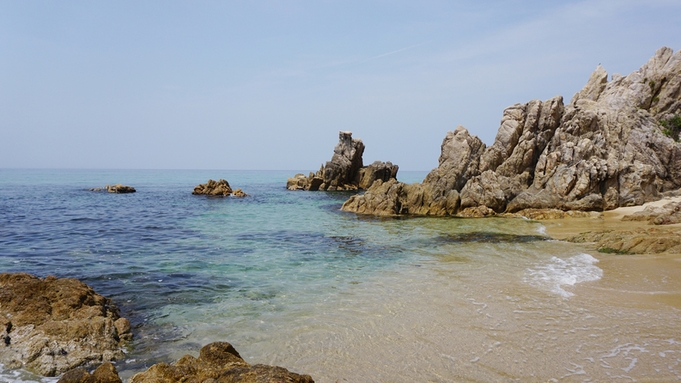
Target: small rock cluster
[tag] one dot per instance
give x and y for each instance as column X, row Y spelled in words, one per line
column 346, row 170
column 217, row 188
column 217, row 362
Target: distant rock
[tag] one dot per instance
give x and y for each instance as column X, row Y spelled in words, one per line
column 117, row 188
column 604, row 150
column 217, row 188
column 238, row 193
column 345, row 171
column 217, row 362
column 52, row 325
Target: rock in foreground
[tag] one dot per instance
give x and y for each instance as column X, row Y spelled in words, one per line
column 604, row 150
column 106, row 373
column 346, row 170
column 217, row 362
column 217, row 188
column 52, row 325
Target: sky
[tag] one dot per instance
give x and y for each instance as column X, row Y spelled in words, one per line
column 267, row 85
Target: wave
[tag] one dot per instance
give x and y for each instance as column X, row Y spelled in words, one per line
column 559, row 273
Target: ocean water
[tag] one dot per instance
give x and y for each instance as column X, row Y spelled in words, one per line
column 289, row 279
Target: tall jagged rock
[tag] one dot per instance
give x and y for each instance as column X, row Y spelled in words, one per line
column 346, row 170
column 603, row 150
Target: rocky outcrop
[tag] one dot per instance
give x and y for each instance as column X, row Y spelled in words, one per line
column 217, row 188
column 604, row 150
column 345, row 171
column 52, row 325
column 667, row 214
column 653, row 240
column 117, row 188
column 217, row 362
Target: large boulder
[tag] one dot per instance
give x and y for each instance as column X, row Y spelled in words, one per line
column 345, row 171
column 604, row 150
column 52, row 325
column 217, row 362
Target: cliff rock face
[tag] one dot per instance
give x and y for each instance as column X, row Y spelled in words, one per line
column 345, row 171
column 603, row 150
column 217, row 362
column 52, row 325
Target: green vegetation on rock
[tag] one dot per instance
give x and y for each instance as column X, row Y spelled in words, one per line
column 672, row 127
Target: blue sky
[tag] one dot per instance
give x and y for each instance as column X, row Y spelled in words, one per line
column 268, row 84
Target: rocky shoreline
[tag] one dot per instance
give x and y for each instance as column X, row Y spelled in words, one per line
column 54, row 326
column 606, row 149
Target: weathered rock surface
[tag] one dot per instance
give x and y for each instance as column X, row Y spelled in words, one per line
column 52, row 325
column 106, row 373
column 651, row 240
column 346, row 170
column 217, row 188
column 665, row 215
column 604, row 150
column 117, row 188
column 218, row 362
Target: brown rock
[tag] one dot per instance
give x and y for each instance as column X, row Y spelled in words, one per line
column 52, row 325
column 120, row 189
column 238, row 193
column 217, row 362
column 345, row 171
column 217, row 188
column 638, row 241
column 106, row 373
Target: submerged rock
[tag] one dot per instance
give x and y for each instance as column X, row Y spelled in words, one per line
column 217, row 362
column 54, row 324
column 217, row 188
column 345, row 171
column 604, row 150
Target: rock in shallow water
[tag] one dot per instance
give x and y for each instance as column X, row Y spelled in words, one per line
column 217, row 362
column 54, row 324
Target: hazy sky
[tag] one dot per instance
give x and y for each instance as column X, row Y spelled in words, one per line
column 268, row 84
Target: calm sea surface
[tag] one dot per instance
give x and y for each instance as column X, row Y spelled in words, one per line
column 290, row 280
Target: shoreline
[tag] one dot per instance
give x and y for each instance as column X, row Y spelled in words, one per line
column 608, row 226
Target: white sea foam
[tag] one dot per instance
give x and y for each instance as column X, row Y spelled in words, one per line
column 21, row 376
column 559, row 273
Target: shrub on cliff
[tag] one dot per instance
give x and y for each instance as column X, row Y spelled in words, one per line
column 672, row 127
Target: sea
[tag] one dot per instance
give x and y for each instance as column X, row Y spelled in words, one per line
column 290, row 280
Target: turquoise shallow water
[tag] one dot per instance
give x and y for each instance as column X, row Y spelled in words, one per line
column 290, row 280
